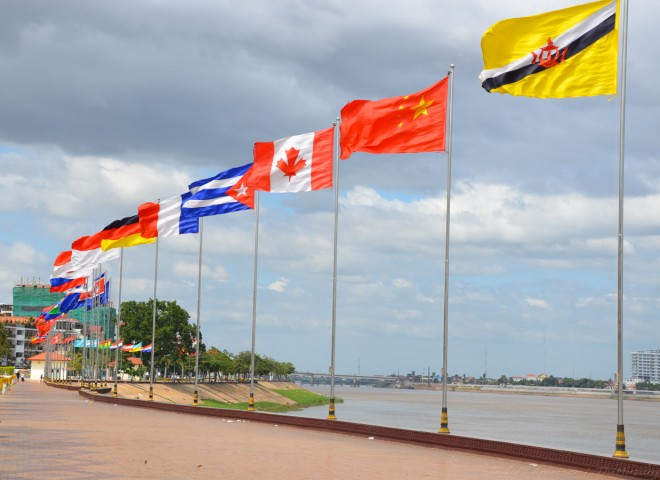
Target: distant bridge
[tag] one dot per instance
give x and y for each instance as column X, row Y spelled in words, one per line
column 316, row 378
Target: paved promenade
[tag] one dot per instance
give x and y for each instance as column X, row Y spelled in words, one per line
column 52, row 433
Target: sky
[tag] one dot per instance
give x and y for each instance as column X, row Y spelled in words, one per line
column 107, row 105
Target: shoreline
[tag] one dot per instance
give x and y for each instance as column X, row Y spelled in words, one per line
column 539, row 391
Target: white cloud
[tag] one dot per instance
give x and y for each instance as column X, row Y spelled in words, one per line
column 537, row 303
column 278, row 285
column 402, row 283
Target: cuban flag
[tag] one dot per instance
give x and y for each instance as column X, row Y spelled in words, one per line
column 209, row 196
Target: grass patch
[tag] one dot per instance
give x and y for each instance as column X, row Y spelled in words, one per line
column 259, row 406
column 305, row 398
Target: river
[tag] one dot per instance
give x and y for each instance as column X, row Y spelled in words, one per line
column 568, row 423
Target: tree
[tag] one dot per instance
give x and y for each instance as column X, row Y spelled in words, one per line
column 215, row 361
column 5, row 344
column 174, row 335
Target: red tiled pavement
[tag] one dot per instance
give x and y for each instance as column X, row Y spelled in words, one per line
column 56, row 434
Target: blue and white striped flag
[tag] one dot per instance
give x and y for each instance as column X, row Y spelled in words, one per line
column 209, row 196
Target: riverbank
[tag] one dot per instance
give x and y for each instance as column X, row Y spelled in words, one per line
column 268, row 396
column 541, row 391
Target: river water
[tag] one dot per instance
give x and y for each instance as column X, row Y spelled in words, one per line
column 568, row 423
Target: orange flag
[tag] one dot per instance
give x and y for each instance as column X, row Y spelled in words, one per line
column 410, row 124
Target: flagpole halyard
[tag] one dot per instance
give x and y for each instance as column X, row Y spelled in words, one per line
column 331, row 412
column 620, row 443
column 444, row 420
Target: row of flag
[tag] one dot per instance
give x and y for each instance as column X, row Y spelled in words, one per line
column 563, row 53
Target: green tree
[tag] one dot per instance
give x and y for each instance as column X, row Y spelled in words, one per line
column 216, row 362
column 5, row 344
column 174, row 335
column 242, row 363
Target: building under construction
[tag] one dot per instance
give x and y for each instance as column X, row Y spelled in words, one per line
column 31, row 298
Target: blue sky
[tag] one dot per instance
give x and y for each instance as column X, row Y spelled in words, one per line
column 107, row 106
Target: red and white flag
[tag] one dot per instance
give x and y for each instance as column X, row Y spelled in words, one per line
column 294, row 164
column 86, row 252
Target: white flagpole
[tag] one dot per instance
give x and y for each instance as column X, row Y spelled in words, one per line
column 118, row 322
column 620, row 451
column 153, row 326
column 199, row 301
column 444, row 420
column 254, row 298
column 331, row 412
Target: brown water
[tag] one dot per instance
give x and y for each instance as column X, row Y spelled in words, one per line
column 579, row 424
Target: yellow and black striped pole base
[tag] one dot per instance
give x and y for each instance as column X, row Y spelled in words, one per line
column 444, row 422
column 195, row 399
column 331, row 412
column 114, row 391
column 251, row 403
column 620, row 451
column 151, row 393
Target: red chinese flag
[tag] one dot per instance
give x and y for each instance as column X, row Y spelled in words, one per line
column 410, row 124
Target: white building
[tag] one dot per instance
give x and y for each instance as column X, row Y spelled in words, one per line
column 645, row 365
column 19, row 338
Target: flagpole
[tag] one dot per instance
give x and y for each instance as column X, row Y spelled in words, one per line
column 444, row 420
column 153, row 327
column 96, row 324
column 254, row 298
column 199, row 300
column 620, row 451
column 331, row 411
column 83, row 350
column 118, row 321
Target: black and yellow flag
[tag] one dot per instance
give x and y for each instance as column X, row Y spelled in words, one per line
column 125, row 232
column 563, row 53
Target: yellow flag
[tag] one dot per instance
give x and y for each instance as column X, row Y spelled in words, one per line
column 563, row 53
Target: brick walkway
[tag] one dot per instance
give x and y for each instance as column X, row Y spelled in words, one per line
column 51, row 433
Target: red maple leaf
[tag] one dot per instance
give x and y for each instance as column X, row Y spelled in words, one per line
column 292, row 165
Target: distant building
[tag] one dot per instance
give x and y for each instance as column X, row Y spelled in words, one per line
column 31, row 298
column 20, row 330
column 645, row 366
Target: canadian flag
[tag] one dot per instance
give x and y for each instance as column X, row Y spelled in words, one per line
column 294, row 164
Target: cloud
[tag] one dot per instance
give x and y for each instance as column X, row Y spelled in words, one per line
column 402, row 283
column 538, row 303
column 278, row 285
